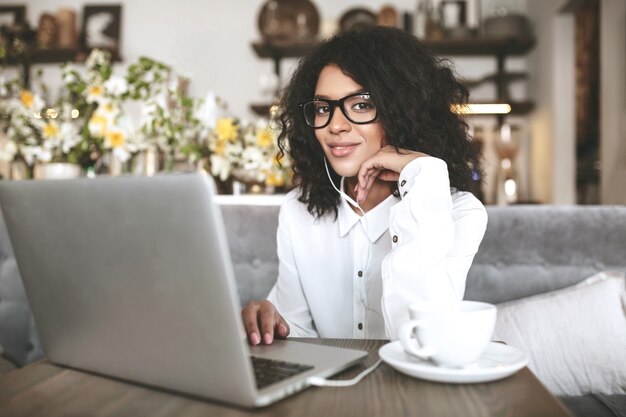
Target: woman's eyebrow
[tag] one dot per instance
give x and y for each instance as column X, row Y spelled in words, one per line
column 325, row 97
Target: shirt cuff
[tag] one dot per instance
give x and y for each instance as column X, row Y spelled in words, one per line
column 427, row 164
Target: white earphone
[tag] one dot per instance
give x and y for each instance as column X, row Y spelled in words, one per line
column 341, row 193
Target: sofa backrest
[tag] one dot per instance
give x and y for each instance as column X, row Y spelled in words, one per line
column 526, row 250
column 251, row 233
column 18, row 335
column 533, row 249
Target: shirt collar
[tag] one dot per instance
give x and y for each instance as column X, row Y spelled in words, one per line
column 376, row 220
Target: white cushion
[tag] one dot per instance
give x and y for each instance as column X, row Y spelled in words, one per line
column 575, row 338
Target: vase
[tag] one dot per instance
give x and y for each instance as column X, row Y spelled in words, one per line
column 66, row 20
column 19, row 170
column 288, row 20
column 174, row 161
column 248, row 182
column 57, row 171
column 117, row 167
column 507, row 179
column 145, row 162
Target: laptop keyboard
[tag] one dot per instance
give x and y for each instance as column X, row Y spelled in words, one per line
column 270, row 371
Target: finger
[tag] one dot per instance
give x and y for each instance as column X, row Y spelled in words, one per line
column 282, row 328
column 364, row 183
column 388, row 175
column 365, row 174
column 364, row 171
column 250, row 322
column 266, row 317
column 371, row 177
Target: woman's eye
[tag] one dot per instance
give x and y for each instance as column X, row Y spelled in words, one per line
column 363, row 106
column 321, row 109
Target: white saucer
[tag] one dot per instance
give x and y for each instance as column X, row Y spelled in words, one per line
column 497, row 362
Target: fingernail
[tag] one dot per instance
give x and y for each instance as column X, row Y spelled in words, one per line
column 254, row 339
column 283, row 330
column 267, row 338
column 356, row 187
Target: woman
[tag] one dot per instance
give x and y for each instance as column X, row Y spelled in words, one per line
column 380, row 217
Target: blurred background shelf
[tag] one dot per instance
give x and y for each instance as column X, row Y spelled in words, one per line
column 261, row 109
column 56, row 56
column 281, row 50
column 480, row 46
column 499, row 48
column 461, row 47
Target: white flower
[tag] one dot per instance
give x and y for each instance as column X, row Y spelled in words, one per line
column 151, row 108
column 66, row 111
column 262, row 124
column 95, row 93
column 249, row 138
column 69, row 78
column 219, row 167
column 121, row 153
column 50, row 144
column 30, row 153
column 70, row 136
column 148, row 113
column 149, row 77
column 69, row 74
column 38, row 103
column 44, row 155
column 30, row 140
column 8, row 151
column 108, row 109
column 116, row 86
column 252, row 158
column 115, row 138
column 161, row 101
column 132, row 147
column 98, row 125
column 96, row 57
column 208, row 112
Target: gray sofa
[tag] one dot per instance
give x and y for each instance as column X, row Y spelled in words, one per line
column 526, row 250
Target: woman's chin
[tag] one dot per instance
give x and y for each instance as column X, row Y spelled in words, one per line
column 345, row 170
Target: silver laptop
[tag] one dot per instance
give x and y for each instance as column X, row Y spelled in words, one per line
column 131, row 277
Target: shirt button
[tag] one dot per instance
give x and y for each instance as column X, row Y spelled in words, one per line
column 395, row 239
column 402, row 183
column 360, row 326
column 360, row 274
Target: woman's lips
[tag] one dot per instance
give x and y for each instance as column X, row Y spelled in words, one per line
column 342, row 149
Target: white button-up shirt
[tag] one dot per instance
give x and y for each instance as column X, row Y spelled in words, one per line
column 354, row 276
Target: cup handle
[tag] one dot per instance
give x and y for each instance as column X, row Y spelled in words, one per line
column 410, row 344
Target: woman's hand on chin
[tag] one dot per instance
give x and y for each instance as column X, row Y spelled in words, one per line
column 385, row 165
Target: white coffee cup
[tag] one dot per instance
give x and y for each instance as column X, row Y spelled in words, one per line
column 450, row 335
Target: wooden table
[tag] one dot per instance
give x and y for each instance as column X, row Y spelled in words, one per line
column 44, row 389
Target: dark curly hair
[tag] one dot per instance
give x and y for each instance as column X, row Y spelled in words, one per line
column 413, row 92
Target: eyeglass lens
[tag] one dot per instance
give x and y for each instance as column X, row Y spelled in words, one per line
column 358, row 109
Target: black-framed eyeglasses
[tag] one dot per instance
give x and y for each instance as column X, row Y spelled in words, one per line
column 359, row 108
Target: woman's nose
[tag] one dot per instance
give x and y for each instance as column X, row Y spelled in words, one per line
column 338, row 122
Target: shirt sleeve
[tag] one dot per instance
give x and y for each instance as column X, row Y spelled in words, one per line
column 287, row 294
column 434, row 241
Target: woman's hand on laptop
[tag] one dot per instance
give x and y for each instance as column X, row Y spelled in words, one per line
column 261, row 317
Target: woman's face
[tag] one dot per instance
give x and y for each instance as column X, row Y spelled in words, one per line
column 346, row 145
